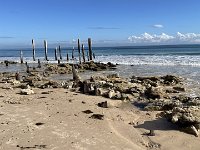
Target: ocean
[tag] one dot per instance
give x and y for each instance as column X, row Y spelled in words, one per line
column 182, row 60
column 186, row 55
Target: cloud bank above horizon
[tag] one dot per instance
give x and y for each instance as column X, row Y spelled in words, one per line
column 146, row 38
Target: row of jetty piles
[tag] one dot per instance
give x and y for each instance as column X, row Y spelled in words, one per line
column 58, row 54
column 166, row 95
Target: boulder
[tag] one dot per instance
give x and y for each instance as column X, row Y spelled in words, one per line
column 171, row 80
column 154, row 93
column 88, row 87
column 187, row 118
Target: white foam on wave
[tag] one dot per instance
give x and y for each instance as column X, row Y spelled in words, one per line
column 151, row 60
column 42, row 60
column 170, row 60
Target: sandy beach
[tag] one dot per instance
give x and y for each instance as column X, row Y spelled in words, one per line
column 60, row 119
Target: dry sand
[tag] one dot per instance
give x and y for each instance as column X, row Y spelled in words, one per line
column 55, row 121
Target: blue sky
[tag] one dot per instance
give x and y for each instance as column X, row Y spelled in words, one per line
column 107, row 22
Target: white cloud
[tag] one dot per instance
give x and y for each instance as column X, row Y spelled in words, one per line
column 158, row 26
column 148, row 38
column 165, row 38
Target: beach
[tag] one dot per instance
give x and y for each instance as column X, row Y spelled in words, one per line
column 50, row 114
column 62, row 124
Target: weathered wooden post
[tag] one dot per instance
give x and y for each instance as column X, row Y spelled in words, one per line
column 59, row 49
column 88, row 57
column 45, row 48
column 56, row 56
column 79, row 51
column 21, row 57
column 93, row 55
column 58, row 61
column 90, row 48
column 67, row 57
column 27, row 68
column 73, row 53
column 33, row 45
column 83, row 53
column 39, row 63
column 26, row 63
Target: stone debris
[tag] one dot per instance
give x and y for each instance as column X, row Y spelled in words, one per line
column 154, row 93
column 26, row 91
column 87, row 111
column 97, row 116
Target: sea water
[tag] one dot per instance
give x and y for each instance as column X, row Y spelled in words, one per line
column 182, row 60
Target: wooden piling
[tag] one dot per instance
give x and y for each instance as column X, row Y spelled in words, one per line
column 45, row 48
column 79, row 51
column 56, row 56
column 39, row 63
column 67, row 57
column 21, row 57
column 26, row 63
column 59, row 49
column 83, row 53
column 58, row 61
column 33, row 45
column 93, row 55
column 90, row 48
column 88, row 57
column 73, row 53
column 27, row 69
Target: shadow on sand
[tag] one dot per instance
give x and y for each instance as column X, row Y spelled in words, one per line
column 159, row 124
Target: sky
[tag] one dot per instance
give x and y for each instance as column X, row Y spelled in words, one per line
column 107, row 22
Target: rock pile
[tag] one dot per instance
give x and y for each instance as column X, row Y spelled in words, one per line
column 164, row 93
column 67, row 68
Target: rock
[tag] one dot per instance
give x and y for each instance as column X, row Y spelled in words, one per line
column 171, row 80
column 154, row 93
column 88, row 87
column 76, row 77
column 111, row 94
column 87, row 111
column 113, row 75
column 52, row 84
column 111, row 65
column 103, row 104
column 97, row 116
column 124, row 96
column 7, row 88
column 191, row 130
column 26, row 91
column 188, row 118
column 98, row 91
column 9, row 62
column 118, row 95
column 108, row 85
column 181, row 89
column 13, row 82
column 174, row 118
